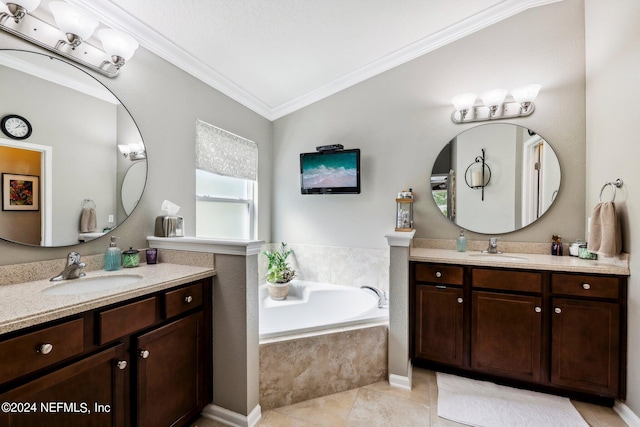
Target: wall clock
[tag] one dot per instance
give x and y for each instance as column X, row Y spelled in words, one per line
column 16, row 127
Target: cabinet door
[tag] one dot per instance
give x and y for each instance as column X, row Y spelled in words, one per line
column 585, row 345
column 87, row 393
column 170, row 366
column 439, row 324
column 506, row 335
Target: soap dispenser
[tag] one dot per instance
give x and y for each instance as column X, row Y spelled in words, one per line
column 113, row 256
column 461, row 244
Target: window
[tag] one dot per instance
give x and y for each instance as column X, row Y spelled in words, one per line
column 226, row 174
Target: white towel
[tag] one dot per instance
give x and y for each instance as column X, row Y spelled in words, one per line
column 605, row 236
column 88, row 220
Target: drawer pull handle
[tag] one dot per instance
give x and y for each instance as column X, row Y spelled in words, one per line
column 122, row 364
column 586, row 286
column 538, row 310
column 45, row 348
column 557, row 310
column 438, row 274
column 460, row 300
column 144, row 354
column 188, row 299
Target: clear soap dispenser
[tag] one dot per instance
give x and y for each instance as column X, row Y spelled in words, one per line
column 461, row 244
column 113, row 256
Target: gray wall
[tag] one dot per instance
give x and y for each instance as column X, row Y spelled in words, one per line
column 613, row 58
column 401, row 120
column 165, row 103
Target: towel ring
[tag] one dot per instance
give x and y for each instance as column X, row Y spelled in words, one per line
column 615, row 184
column 90, row 202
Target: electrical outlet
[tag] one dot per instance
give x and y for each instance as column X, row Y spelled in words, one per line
column 111, row 219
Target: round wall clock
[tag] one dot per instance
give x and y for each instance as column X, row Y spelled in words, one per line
column 16, row 127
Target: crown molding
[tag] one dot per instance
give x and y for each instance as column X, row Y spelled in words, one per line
column 117, row 18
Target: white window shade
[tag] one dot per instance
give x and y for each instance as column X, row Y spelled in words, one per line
column 223, row 153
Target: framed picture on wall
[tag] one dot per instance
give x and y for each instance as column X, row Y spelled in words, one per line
column 20, row 192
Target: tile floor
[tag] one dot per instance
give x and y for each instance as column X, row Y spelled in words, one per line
column 380, row 404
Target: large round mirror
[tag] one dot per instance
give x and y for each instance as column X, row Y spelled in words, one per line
column 495, row 178
column 62, row 182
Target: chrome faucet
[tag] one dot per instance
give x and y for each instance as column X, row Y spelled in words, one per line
column 493, row 246
column 73, row 270
column 382, row 295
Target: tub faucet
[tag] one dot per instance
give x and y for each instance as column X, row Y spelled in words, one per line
column 382, row 296
column 493, row 246
column 73, row 270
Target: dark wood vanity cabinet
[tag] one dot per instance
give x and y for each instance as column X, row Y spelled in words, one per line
column 558, row 332
column 144, row 362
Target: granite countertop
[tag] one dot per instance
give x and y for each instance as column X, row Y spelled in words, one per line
column 23, row 305
column 615, row 266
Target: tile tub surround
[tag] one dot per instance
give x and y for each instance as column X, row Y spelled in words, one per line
column 23, row 304
column 335, row 265
column 310, row 366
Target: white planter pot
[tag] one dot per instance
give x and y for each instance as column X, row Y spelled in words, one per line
column 278, row 291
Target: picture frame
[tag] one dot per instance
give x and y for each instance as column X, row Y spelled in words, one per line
column 20, row 192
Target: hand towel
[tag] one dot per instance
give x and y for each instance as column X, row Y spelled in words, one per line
column 88, row 220
column 605, row 236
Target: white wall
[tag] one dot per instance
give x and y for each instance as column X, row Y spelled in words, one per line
column 613, row 61
column 401, row 120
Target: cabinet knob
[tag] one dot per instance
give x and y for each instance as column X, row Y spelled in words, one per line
column 460, row 300
column 538, row 310
column 438, row 274
column 557, row 310
column 144, row 354
column 45, row 348
column 586, row 286
column 122, row 364
column 188, row 299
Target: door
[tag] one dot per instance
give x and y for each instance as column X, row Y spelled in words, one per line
column 169, row 372
column 506, row 335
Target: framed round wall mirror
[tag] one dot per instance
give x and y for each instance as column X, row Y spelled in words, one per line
column 525, row 178
column 71, row 158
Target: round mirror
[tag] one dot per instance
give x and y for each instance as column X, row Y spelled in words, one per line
column 62, row 181
column 495, row 178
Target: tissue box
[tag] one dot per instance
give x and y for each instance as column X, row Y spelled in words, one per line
column 169, row 226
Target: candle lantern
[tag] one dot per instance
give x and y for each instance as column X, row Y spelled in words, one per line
column 404, row 212
column 478, row 174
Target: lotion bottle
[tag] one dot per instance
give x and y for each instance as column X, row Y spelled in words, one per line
column 461, row 244
column 113, row 256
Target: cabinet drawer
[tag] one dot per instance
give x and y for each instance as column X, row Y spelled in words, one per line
column 182, row 300
column 448, row 274
column 124, row 320
column 27, row 353
column 584, row 285
column 507, row 280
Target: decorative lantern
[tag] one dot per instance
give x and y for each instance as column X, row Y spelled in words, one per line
column 404, row 211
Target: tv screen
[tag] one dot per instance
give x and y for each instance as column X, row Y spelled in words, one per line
column 330, row 172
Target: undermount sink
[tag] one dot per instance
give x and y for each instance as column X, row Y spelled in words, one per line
column 86, row 285
column 498, row 257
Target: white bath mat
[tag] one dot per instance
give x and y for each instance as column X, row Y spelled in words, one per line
column 485, row 404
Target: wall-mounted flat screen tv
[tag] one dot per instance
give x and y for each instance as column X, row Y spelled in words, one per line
column 330, row 172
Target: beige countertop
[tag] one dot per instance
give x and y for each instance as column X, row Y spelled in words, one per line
column 23, row 305
column 615, row 266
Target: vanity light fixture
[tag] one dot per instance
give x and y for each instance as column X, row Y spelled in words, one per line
column 134, row 151
column 494, row 106
column 68, row 37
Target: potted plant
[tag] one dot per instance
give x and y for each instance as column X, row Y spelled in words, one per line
column 279, row 273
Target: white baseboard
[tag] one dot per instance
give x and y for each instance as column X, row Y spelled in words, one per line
column 399, row 381
column 231, row 418
column 627, row 415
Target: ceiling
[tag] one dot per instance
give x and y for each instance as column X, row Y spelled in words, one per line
column 277, row 56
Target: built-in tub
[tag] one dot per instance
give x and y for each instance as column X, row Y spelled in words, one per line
column 313, row 306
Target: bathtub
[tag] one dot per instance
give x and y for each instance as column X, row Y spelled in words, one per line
column 312, row 306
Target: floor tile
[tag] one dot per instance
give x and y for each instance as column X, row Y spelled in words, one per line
column 374, row 408
column 329, row 411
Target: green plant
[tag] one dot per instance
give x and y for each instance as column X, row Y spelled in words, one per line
column 279, row 270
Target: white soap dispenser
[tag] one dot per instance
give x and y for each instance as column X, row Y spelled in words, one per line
column 113, row 256
column 461, row 244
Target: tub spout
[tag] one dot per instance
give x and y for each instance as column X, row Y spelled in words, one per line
column 382, row 295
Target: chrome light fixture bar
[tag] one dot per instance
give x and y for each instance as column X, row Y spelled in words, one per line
column 70, row 40
column 494, row 107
